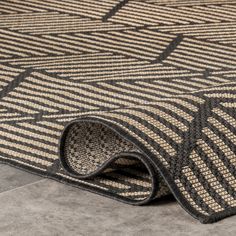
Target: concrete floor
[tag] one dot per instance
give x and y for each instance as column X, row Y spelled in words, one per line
column 34, row 206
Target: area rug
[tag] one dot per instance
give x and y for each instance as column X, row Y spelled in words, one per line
column 130, row 99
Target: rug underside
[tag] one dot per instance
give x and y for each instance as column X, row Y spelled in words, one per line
column 130, row 99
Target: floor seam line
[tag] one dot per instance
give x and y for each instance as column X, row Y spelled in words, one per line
column 20, row 187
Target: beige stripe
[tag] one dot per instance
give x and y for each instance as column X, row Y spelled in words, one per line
column 7, row 103
column 213, row 156
column 128, row 194
column 143, row 183
column 218, row 125
column 37, row 127
column 189, row 198
column 24, row 99
column 25, row 164
column 212, row 180
column 24, row 156
column 228, row 104
column 112, row 183
column 17, row 137
column 71, row 86
column 81, row 181
column 166, row 117
column 201, row 190
column 221, row 144
column 223, row 95
column 153, row 122
column 231, row 120
column 30, row 92
column 51, row 125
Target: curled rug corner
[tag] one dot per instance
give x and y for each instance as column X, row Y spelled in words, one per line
column 140, row 94
column 138, row 159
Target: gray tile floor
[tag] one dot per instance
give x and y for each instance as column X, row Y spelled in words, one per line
column 35, row 206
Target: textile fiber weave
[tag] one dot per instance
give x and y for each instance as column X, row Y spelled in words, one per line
column 130, row 99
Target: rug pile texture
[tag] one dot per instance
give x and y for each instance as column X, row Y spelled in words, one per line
column 130, row 99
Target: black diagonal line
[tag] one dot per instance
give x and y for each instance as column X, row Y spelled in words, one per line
column 114, row 10
column 169, row 49
column 15, row 83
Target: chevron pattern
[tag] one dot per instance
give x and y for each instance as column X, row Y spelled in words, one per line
column 139, row 94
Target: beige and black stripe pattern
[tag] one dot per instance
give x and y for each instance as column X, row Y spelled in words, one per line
column 140, row 93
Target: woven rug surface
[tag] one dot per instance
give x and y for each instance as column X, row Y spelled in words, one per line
column 130, row 99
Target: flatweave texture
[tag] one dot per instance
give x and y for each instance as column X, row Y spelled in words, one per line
column 131, row 99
